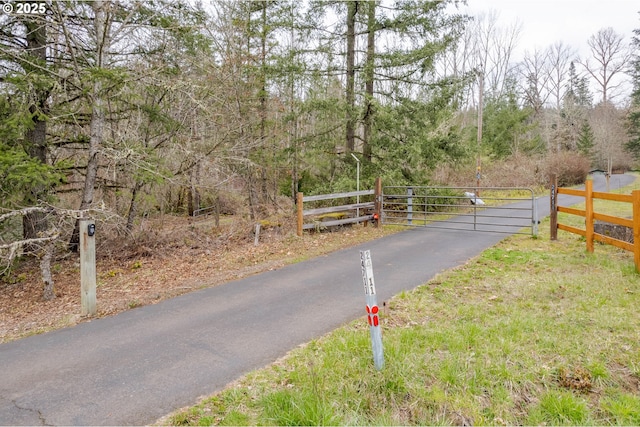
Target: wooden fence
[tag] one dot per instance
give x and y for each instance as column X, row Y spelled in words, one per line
column 590, row 217
column 365, row 211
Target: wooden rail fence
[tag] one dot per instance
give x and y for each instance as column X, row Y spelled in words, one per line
column 371, row 209
column 590, row 217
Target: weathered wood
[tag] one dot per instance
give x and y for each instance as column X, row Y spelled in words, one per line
column 87, row 269
column 256, row 237
column 338, row 195
column 331, row 209
column 300, row 214
column 378, row 202
column 313, row 226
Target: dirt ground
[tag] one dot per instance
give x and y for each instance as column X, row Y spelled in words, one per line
column 175, row 256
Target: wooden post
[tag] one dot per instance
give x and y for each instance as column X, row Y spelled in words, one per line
column 635, row 194
column 378, row 202
column 299, row 198
column 409, row 205
column 256, row 237
column 588, row 185
column 554, row 206
column 88, row 267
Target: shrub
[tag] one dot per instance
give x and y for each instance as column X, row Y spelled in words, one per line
column 571, row 168
column 518, row 170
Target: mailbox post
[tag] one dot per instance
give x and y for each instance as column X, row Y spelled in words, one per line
column 88, row 267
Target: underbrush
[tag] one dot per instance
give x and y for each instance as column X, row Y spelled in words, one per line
column 518, row 170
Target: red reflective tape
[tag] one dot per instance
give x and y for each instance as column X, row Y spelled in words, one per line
column 374, row 309
column 375, row 321
column 368, row 309
column 369, row 320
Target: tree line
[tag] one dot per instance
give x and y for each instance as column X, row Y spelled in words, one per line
column 138, row 107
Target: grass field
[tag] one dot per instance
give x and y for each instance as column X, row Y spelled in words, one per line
column 529, row 332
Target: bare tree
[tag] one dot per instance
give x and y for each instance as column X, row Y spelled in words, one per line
column 536, row 75
column 560, row 57
column 494, row 50
column 610, row 135
column 610, row 57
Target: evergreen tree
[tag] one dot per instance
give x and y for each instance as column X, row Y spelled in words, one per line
column 586, row 140
column 29, row 81
column 633, row 118
column 578, row 92
column 394, row 88
column 505, row 126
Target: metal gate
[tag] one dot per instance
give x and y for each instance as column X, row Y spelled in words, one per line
column 510, row 210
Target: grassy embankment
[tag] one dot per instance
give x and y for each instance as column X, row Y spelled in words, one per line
column 529, row 332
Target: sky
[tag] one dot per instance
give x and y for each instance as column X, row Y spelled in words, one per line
column 545, row 22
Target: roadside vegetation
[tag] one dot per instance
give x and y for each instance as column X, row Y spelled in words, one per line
column 530, row 332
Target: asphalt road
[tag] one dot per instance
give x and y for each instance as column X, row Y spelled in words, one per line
column 137, row 366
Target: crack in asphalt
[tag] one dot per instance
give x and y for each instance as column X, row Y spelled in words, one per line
column 41, row 417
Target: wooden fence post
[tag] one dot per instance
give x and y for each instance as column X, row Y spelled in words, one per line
column 588, row 199
column 88, row 267
column 635, row 194
column 554, row 206
column 377, row 198
column 409, row 205
column 299, row 198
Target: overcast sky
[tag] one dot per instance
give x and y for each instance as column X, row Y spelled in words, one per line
column 545, row 22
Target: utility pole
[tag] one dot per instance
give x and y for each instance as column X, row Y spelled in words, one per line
column 480, row 108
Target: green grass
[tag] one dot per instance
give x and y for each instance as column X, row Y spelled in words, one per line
column 530, row 332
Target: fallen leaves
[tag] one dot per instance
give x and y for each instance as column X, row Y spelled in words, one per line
column 129, row 276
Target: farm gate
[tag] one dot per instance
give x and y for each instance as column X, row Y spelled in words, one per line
column 509, row 210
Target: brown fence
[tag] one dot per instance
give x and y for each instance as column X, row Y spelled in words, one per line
column 591, row 217
column 349, row 213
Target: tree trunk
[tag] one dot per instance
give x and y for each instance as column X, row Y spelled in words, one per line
column 368, row 68
column 45, row 269
column 194, row 194
column 352, row 9
column 98, row 115
column 133, row 207
column 35, row 223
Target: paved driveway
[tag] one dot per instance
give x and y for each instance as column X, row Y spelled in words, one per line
column 139, row 365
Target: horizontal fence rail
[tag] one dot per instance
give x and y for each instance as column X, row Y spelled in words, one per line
column 590, row 216
column 459, row 208
column 335, row 215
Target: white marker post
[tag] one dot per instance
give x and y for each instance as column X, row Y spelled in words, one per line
column 372, row 309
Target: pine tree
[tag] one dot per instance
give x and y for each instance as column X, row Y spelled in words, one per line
column 633, row 118
column 578, row 92
column 586, row 140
